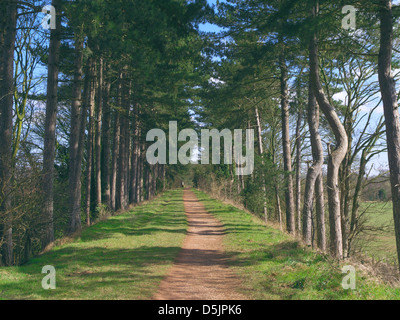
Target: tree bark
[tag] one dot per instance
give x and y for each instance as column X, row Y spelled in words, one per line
column 123, row 160
column 261, row 152
column 128, row 136
column 78, row 122
column 106, row 138
column 134, row 158
column 315, row 169
column 320, row 212
column 298, row 167
column 278, row 207
column 345, row 175
column 99, row 115
column 115, row 156
column 287, row 155
column 6, row 126
column 89, row 160
column 336, row 156
column 121, row 168
column 50, row 127
column 141, row 172
column 390, row 105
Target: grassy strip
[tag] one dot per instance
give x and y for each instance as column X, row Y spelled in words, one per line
column 275, row 266
column 125, row 257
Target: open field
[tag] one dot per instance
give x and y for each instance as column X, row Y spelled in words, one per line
column 381, row 245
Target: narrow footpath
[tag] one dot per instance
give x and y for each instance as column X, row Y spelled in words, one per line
column 201, row 271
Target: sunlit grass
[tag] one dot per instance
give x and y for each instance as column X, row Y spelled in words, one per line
column 274, row 265
column 125, row 257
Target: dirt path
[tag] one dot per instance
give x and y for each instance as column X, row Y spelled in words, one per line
column 201, row 271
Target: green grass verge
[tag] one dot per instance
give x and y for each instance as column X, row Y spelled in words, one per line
column 125, row 257
column 273, row 265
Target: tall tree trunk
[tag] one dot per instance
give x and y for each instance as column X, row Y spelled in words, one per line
column 390, row 105
column 78, row 122
column 164, row 176
column 128, row 136
column 356, row 199
column 6, row 126
column 315, row 169
column 50, row 127
column 123, row 163
column 320, row 206
column 133, row 176
column 261, row 152
column 298, row 167
column 345, row 176
column 121, row 166
column 115, row 156
column 151, row 181
column 138, row 174
column 106, row 138
column 278, row 206
column 336, row 156
column 116, row 146
column 89, row 160
column 141, row 172
column 147, row 181
column 99, row 115
column 134, row 158
column 287, row 155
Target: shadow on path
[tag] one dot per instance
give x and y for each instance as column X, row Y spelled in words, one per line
column 201, row 271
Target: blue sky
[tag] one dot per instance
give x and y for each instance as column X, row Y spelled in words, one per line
column 208, row 27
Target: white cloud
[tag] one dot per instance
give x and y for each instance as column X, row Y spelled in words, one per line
column 215, row 81
column 368, row 108
column 341, row 96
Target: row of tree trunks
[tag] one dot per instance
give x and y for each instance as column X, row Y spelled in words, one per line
column 116, row 178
